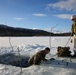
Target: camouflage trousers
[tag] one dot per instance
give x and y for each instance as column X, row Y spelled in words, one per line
column 74, row 43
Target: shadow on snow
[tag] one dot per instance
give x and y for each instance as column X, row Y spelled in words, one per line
column 60, row 63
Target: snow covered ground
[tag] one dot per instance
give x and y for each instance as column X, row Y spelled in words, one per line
column 29, row 46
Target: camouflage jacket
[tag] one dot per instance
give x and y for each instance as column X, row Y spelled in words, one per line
column 36, row 59
column 73, row 29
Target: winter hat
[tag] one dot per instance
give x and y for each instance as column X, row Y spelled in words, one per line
column 73, row 16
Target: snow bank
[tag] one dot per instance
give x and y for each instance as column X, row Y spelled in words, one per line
column 29, row 46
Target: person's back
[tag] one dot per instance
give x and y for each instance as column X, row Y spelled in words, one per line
column 36, row 59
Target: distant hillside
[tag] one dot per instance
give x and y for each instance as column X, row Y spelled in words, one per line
column 12, row 31
column 15, row 31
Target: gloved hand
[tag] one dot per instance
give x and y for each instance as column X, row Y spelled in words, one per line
column 45, row 59
column 72, row 34
column 71, row 41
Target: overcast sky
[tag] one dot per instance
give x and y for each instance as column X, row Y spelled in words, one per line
column 40, row 14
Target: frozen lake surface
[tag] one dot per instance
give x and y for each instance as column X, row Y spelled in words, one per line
column 15, row 41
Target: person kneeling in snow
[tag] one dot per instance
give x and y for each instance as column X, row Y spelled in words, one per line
column 38, row 57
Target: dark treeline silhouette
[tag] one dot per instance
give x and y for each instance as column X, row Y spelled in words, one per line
column 15, row 31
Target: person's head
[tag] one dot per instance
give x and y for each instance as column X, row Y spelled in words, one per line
column 47, row 50
column 73, row 18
